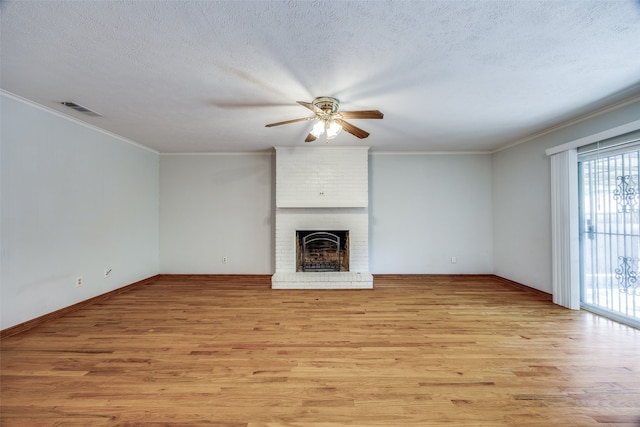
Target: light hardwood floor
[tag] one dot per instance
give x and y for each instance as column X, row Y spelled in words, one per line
column 414, row 351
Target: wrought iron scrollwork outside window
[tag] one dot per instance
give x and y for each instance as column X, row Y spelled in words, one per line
column 626, row 194
column 627, row 276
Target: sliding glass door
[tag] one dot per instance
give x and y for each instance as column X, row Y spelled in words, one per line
column 610, row 234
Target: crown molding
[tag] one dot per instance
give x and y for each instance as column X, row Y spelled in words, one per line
column 75, row 120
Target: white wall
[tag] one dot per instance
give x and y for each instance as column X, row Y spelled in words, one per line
column 215, row 206
column 424, row 209
column 522, row 199
column 522, row 221
column 74, row 202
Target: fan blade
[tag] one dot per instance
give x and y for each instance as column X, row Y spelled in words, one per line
column 353, row 130
column 289, row 121
column 365, row 114
column 310, row 106
column 310, row 138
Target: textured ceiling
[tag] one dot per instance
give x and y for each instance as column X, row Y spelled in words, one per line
column 206, row 76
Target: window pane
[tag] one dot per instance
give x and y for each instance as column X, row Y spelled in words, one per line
column 610, row 235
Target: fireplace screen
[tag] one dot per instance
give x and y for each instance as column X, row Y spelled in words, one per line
column 322, row 250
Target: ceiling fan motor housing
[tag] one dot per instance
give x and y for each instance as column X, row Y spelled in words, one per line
column 327, row 104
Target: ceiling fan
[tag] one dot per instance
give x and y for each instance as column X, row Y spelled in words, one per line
column 330, row 120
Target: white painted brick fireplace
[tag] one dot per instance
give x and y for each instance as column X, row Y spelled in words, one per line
column 322, row 188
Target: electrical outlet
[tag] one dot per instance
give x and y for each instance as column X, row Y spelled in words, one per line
column 225, row 259
column 78, row 281
column 454, row 260
column 107, row 272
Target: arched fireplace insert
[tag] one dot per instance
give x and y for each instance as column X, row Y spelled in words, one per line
column 322, row 250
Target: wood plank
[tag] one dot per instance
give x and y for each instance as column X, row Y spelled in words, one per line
column 414, row 351
column 25, row 326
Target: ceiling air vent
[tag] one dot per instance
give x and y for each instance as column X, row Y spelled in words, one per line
column 79, row 108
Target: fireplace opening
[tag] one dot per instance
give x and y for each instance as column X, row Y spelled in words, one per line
column 322, row 250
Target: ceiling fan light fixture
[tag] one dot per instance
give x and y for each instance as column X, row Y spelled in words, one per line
column 318, row 128
column 333, row 128
column 328, row 127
